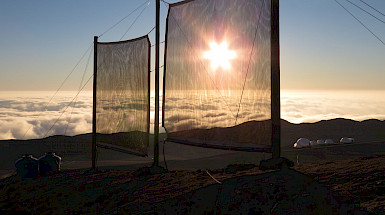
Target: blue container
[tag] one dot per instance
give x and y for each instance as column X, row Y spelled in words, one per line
column 49, row 163
column 27, row 166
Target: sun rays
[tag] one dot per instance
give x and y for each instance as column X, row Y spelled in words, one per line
column 219, row 55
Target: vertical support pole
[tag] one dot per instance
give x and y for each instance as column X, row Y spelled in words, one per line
column 275, row 80
column 164, row 71
column 94, row 105
column 156, row 121
column 148, row 93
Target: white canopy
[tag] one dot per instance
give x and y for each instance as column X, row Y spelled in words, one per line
column 313, row 143
column 346, row 140
column 302, row 142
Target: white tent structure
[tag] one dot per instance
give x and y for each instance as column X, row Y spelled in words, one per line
column 329, row 141
column 320, row 142
column 346, row 140
column 302, row 142
column 313, row 142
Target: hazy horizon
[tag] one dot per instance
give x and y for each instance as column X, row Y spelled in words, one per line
column 19, row 111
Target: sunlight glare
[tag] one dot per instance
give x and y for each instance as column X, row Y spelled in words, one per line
column 219, row 55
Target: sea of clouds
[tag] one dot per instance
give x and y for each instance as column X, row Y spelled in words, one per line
column 208, row 109
column 26, row 115
column 312, row 106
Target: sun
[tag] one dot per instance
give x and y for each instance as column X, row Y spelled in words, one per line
column 219, row 55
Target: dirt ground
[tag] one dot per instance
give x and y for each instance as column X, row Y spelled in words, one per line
column 336, row 187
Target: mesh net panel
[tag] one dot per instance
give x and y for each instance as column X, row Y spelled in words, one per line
column 211, row 101
column 122, row 110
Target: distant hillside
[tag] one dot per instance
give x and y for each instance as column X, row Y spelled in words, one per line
column 364, row 131
column 76, row 150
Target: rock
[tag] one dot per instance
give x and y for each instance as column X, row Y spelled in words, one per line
column 146, row 171
column 275, row 163
column 233, row 168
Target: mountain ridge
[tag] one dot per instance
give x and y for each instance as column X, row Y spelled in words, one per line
column 326, row 129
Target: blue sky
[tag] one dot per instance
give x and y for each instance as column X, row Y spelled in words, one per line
column 322, row 46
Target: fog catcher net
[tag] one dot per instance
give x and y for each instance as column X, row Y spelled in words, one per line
column 217, row 90
column 122, row 94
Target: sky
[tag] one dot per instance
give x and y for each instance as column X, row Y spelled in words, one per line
column 328, row 60
column 322, row 46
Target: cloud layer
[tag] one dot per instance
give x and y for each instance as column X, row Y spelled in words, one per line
column 22, row 114
column 211, row 109
column 313, row 106
column 29, row 115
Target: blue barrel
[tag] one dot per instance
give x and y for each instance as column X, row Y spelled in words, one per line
column 27, row 166
column 49, row 163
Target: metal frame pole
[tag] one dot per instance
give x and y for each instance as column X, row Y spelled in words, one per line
column 275, row 81
column 148, row 93
column 94, row 105
column 156, row 123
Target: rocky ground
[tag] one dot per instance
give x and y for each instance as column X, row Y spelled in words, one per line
column 335, row 179
column 337, row 187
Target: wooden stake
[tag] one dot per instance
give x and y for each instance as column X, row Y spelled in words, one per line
column 275, row 81
column 94, row 105
column 156, row 122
